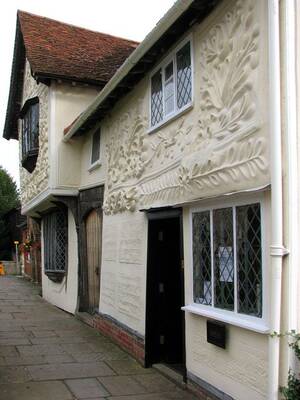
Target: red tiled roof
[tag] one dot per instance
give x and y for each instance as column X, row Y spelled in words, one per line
column 56, row 49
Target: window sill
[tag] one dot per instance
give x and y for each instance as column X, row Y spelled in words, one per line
column 224, row 316
column 94, row 166
column 55, row 276
column 170, row 118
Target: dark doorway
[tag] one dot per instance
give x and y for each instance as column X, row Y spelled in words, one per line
column 165, row 291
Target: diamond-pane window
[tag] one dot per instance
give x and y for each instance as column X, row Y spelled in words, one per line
column 202, row 258
column 223, row 258
column 156, row 99
column 171, row 85
column 184, row 76
column 55, row 241
column 227, row 259
column 249, row 260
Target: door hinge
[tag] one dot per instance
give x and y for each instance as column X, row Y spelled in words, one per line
column 162, row 339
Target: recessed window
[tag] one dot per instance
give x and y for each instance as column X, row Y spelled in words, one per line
column 227, row 259
column 55, row 234
column 30, row 133
column 95, row 146
column 171, row 86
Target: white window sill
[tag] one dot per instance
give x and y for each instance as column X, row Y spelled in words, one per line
column 94, row 166
column 171, row 118
column 229, row 318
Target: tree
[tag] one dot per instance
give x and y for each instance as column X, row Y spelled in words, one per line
column 9, row 198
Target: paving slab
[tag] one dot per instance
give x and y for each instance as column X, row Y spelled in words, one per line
column 53, row 390
column 89, row 388
column 70, row 370
column 47, row 354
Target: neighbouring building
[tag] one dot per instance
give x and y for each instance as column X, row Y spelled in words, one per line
column 169, row 193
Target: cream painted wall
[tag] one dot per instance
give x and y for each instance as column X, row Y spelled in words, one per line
column 123, row 271
column 64, row 295
column 240, row 370
column 96, row 176
column 69, row 102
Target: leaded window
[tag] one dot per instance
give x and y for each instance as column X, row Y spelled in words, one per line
column 96, row 146
column 30, row 133
column 171, row 86
column 227, row 259
column 55, row 228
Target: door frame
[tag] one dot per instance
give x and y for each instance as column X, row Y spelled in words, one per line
column 160, row 214
column 88, row 200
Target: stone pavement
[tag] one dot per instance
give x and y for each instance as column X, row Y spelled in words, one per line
column 47, row 354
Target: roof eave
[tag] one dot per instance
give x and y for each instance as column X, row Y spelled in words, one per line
column 174, row 13
column 10, row 130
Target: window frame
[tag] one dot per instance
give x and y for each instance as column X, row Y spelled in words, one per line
column 97, row 163
column 56, row 275
column 161, row 66
column 30, row 153
column 258, row 324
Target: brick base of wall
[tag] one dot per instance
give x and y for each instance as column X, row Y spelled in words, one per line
column 126, row 338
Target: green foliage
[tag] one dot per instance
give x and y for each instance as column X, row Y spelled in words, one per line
column 9, row 196
column 292, row 390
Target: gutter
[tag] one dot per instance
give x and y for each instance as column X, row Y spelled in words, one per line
column 166, row 21
column 277, row 249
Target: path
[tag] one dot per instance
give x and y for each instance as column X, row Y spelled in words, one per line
column 47, row 354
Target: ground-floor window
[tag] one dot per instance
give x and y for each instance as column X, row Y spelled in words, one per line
column 227, row 258
column 55, row 233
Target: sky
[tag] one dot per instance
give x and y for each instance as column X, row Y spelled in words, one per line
column 131, row 19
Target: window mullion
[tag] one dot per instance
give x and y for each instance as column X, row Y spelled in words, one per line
column 212, row 259
column 235, row 261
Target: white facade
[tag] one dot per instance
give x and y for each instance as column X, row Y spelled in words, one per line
column 220, row 151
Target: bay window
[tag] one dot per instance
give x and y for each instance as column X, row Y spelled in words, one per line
column 30, row 133
column 171, row 86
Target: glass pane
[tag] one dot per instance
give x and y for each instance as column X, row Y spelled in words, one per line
column 61, row 240
column 96, row 146
column 223, row 258
column 169, row 71
column 202, row 258
column 249, row 260
column 156, row 99
column 184, row 76
column 35, row 126
column 169, row 94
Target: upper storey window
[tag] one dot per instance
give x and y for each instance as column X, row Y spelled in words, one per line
column 95, row 150
column 30, row 133
column 172, row 85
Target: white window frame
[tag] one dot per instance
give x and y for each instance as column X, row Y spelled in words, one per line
column 257, row 324
column 172, row 57
column 98, row 162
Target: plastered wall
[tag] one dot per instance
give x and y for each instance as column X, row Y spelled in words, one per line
column 67, row 103
column 64, row 295
column 123, row 271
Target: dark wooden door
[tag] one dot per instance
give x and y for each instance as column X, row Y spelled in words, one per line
column 93, row 240
column 164, row 326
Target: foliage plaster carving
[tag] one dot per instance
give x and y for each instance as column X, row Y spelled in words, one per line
column 221, row 150
column 36, row 182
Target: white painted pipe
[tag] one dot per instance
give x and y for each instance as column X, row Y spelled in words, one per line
column 277, row 248
column 292, row 162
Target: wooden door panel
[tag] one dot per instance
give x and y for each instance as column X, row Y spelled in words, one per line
column 93, row 240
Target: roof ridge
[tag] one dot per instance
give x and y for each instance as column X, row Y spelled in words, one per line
column 20, row 12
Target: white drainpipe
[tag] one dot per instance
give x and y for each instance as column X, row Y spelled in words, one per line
column 292, row 162
column 278, row 251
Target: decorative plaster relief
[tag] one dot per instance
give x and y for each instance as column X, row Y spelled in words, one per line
column 34, row 183
column 221, row 150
